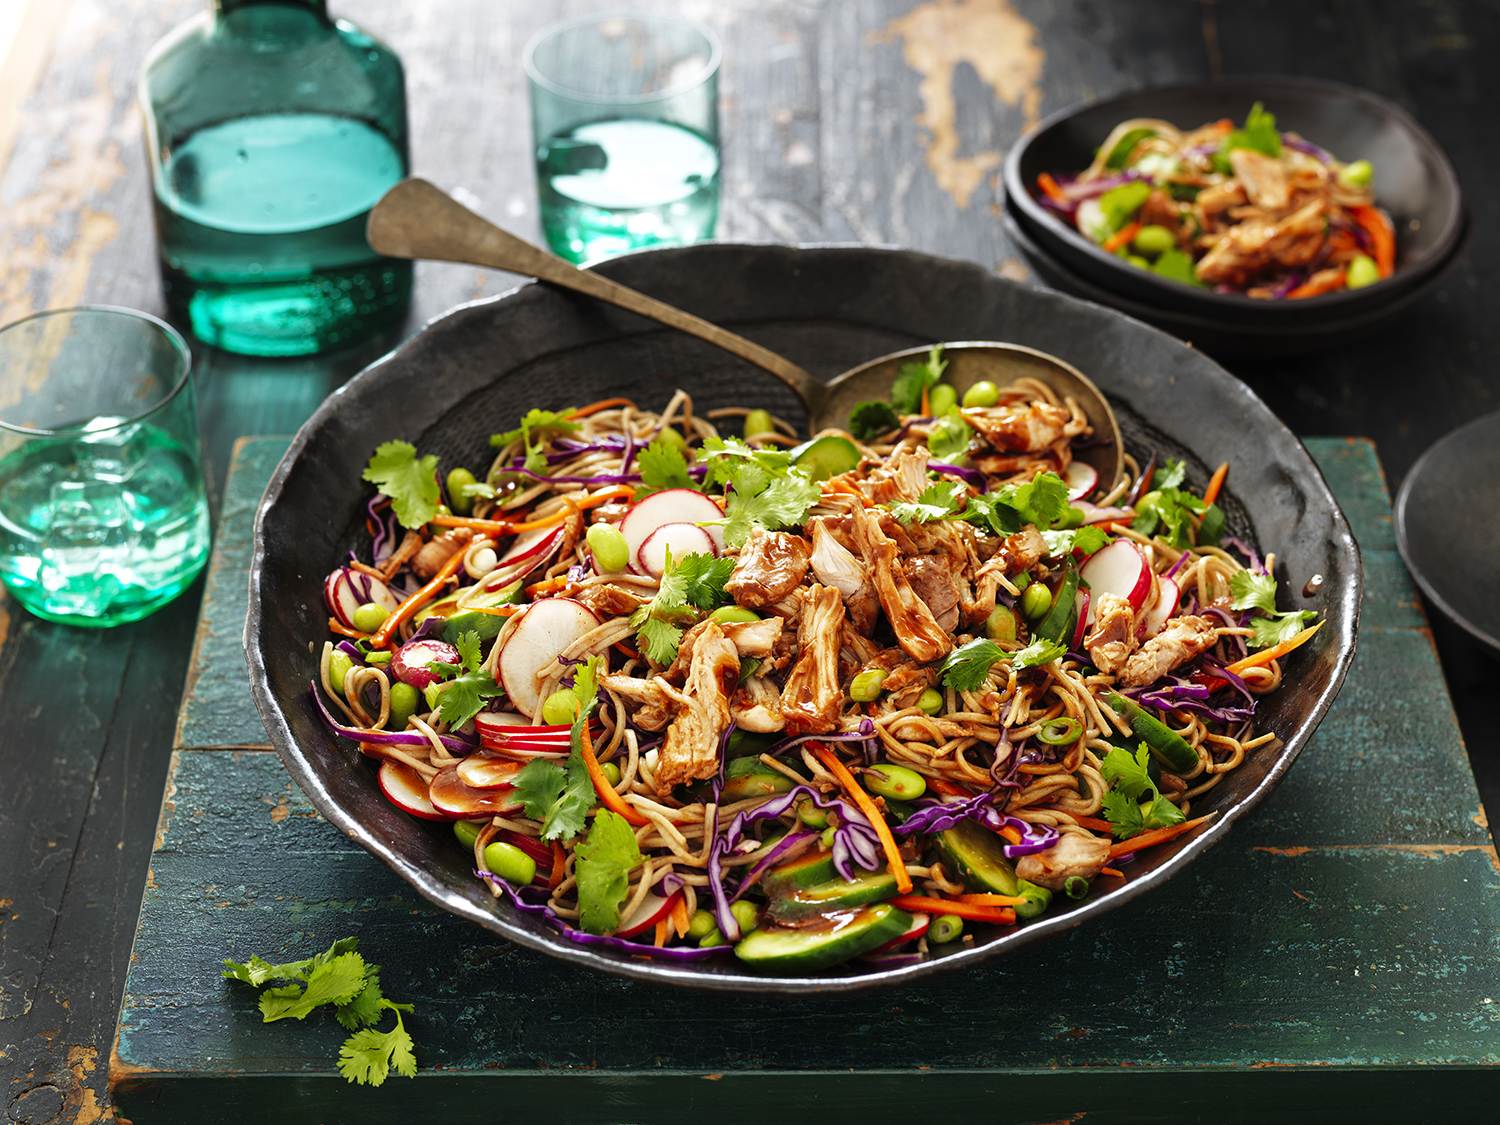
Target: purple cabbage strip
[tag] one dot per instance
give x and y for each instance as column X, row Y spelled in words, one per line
column 791, row 841
column 599, row 478
column 1063, row 211
column 348, row 649
column 390, row 738
column 1252, row 560
column 1181, row 694
column 865, row 733
column 1308, row 147
column 1178, row 565
column 1287, row 284
column 969, row 476
column 937, row 816
column 629, row 454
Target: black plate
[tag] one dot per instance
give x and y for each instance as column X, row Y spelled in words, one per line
column 476, row 369
column 1414, row 182
column 1448, row 526
column 1213, row 335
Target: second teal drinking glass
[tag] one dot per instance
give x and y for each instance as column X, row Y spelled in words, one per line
column 625, row 118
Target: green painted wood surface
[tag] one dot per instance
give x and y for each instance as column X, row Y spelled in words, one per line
column 1340, row 953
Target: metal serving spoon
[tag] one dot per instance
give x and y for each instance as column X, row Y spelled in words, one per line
column 417, row 220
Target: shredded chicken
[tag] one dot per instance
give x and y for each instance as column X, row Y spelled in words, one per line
column 916, row 629
column 1264, row 177
column 1182, row 639
column 902, row 478
column 1011, row 429
column 1113, row 635
column 649, row 699
column 435, row 552
column 933, row 581
column 1251, row 247
column 754, row 638
column 691, row 749
column 609, row 600
column 757, row 706
column 812, row 698
column 834, row 565
column 770, row 566
column 1073, row 854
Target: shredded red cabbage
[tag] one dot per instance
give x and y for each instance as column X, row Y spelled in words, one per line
column 865, row 733
column 937, row 816
column 453, row 744
column 1308, row 147
column 969, row 476
column 1252, row 560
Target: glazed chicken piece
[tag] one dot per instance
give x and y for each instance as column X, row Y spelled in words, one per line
column 932, row 580
column 609, row 600
column 1073, row 854
column 834, row 565
column 1251, row 247
column 753, row 638
column 1215, row 199
column 771, row 565
column 648, row 699
column 1113, row 636
column 691, row 749
column 916, row 629
column 902, row 478
column 435, row 552
column 757, row 706
column 812, row 698
column 1264, row 178
column 1011, row 429
column 1181, row 640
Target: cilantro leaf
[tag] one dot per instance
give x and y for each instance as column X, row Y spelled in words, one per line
column 1170, row 474
column 1253, row 591
column 765, row 489
column 1167, row 512
column 914, row 378
column 1087, row 539
column 937, row 501
column 1174, row 265
column 257, row 972
column 369, row 1056
column 950, row 438
column 1259, row 133
column 538, row 785
column 688, row 585
column 334, row 982
column 662, row 466
column 1042, row 501
column 1258, row 591
column 1120, row 203
column 1133, row 803
column 659, row 640
column 965, row 668
column 536, row 428
column 409, row 481
column 605, row 859
column 702, row 577
column 364, row 1008
column 1040, row 651
column 560, row 798
column 464, row 697
column 871, row 419
column 1283, row 627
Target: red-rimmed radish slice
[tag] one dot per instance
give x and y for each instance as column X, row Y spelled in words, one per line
column 508, row 733
column 1118, row 568
column 535, row 547
column 1154, row 620
column 532, row 847
column 487, row 771
column 679, row 538
column 531, row 644
column 1092, row 513
column 404, row 788
column 675, row 505
column 1081, row 602
column 918, row 927
column 653, row 909
column 1081, row 479
column 346, row 589
column 450, row 795
column 409, row 664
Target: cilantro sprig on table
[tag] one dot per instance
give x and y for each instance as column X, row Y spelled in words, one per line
column 461, row 698
column 1134, row 804
column 1258, row 591
column 341, row 977
column 410, row 481
column 689, row 587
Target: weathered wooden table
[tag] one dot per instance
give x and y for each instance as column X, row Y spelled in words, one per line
column 881, row 122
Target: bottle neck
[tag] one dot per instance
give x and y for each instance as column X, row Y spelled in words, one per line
column 226, row 7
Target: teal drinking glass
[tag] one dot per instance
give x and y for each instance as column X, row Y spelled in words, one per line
column 102, row 510
column 271, row 131
column 625, row 119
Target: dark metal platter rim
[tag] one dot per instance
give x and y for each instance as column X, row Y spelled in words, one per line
column 429, row 886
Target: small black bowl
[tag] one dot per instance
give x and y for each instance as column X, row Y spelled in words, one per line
column 1414, row 182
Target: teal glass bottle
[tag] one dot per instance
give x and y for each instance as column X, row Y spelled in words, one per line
column 271, row 132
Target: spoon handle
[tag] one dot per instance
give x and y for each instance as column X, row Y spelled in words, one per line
column 417, row 220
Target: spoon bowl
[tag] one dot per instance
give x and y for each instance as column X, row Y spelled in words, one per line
column 415, row 219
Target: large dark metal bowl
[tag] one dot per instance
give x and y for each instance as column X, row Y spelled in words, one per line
column 476, row 369
column 1414, row 182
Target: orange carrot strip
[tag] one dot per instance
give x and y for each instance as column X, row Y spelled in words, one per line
column 947, row 788
column 495, row 610
column 1215, row 482
column 1050, row 189
column 680, row 917
column 1266, row 655
column 993, row 900
column 1111, row 871
column 1156, row 836
column 1122, row 236
column 337, row 626
column 925, row 904
column 388, row 627
column 612, row 800
column 627, row 650
column 1094, row 824
column 559, row 864
column 1328, row 283
column 547, row 585
column 507, row 527
column 1011, row 834
column 1382, row 237
column 662, row 926
column 595, row 407
column 867, row 806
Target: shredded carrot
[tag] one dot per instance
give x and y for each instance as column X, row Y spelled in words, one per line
column 1004, row 915
column 547, row 585
column 627, row 650
column 867, row 806
column 680, row 917
column 595, row 407
column 1215, row 482
column 336, row 626
column 1122, row 237
column 1266, row 655
column 612, row 800
column 1094, row 824
column 1154, row 837
column 495, row 610
column 1011, row 834
column 388, row 627
column 947, row 788
column 662, row 926
column 1111, row 871
column 1382, row 237
column 1222, row 125
column 507, row 527
column 1325, row 281
column 559, row 864
column 993, row 900
column 1051, row 190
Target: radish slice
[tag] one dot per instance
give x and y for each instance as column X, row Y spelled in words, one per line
column 1154, row 620
column 346, row 589
column 450, row 795
column 532, row 847
column 675, row 505
column 510, row 734
column 1081, row 479
column 407, row 791
column 1081, row 602
column 918, row 927
column 653, row 909
column 1092, row 513
column 1117, row 568
column 679, row 538
column 485, row 771
column 531, row 643
column 409, row 665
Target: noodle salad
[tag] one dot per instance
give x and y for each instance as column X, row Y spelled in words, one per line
column 691, row 695
column 1251, row 211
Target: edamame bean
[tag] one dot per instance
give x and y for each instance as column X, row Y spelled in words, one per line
column 339, row 665
column 713, row 937
column 369, row 617
column 1362, row 271
column 1357, row 174
column 810, row 815
column 611, row 551
column 945, row 928
column 734, row 614
column 1152, row 240
column 611, row 773
column 1036, row 600
column 982, row 393
column 745, row 914
column 759, row 422
column 865, row 687
column 668, row 436
column 1137, row 261
column 561, row 707
column 404, row 700
column 894, row 783
column 510, row 863
column 701, row 924
column 941, row 398
column 460, row 501
column 930, row 701
column 467, row 832
column 1000, row 625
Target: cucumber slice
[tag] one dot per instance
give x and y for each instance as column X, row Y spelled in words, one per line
column 750, row 777
column 841, row 937
column 807, row 870
column 973, row 852
column 833, row 895
column 826, row 457
column 1173, row 751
